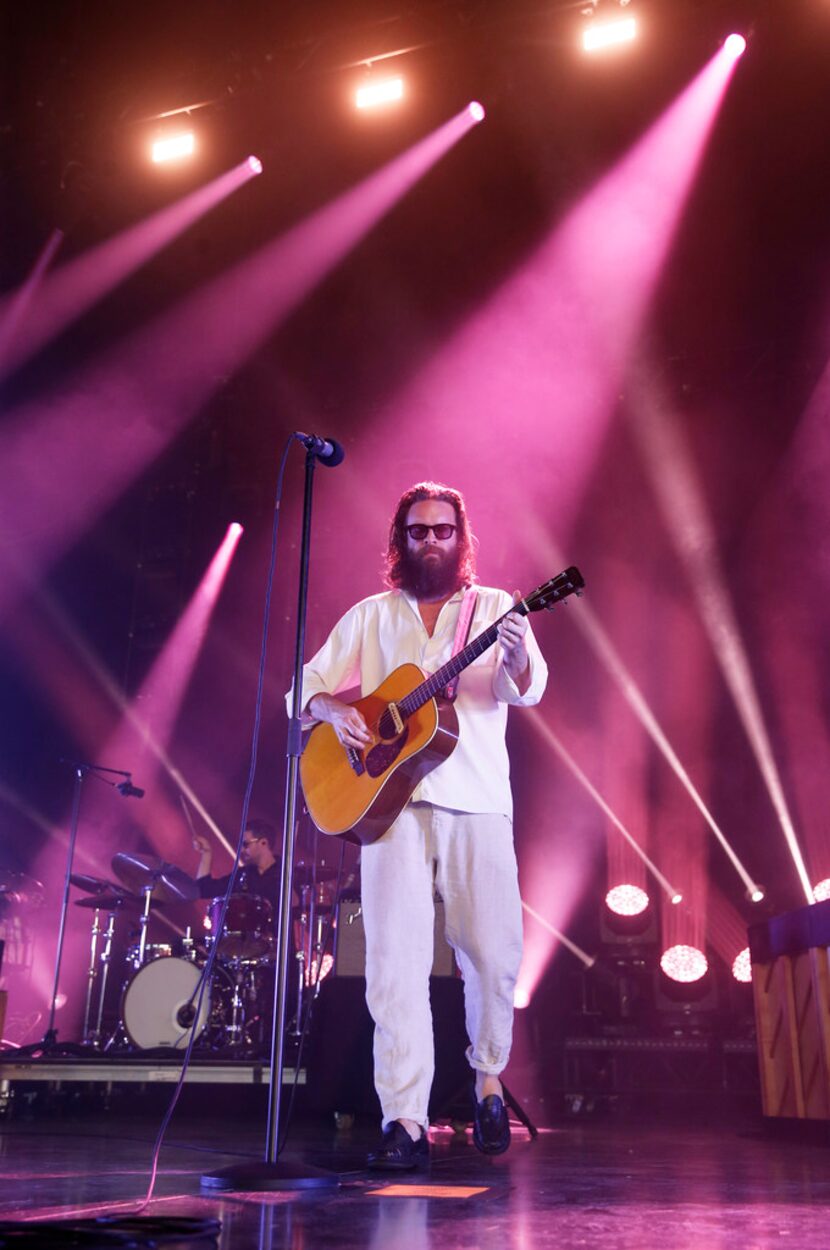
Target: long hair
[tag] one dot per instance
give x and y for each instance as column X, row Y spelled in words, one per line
column 396, row 550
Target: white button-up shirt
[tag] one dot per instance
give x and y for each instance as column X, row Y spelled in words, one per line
column 384, row 631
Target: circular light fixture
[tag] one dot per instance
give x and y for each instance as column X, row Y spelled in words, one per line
column 734, row 46
column 685, row 964
column 626, row 900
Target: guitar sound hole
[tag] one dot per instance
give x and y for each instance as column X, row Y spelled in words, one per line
column 384, row 754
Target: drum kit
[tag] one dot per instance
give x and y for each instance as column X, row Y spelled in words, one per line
column 161, row 1001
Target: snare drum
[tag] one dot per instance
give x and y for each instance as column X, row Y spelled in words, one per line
column 158, row 1007
column 249, row 926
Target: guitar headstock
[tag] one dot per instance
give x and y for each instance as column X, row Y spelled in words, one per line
column 570, row 582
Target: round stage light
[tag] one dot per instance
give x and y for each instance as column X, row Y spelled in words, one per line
column 476, row 111
column 684, row 963
column 255, row 164
column 735, row 46
column 626, row 900
column 821, row 892
column 676, row 898
column 741, row 967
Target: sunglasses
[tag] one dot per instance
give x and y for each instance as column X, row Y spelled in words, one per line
column 442, row 532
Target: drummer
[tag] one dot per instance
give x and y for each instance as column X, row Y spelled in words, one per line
column 260, row 873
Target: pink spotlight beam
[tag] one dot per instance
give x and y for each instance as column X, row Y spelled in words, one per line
column 589, row 624
column 550, row 738
column 76, row 287
column 157, row 704
column 103, row 430
column 552, row 345
column 13, row 309
column 685, row 514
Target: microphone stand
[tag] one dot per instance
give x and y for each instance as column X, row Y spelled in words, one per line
column 272, row 1173
column 50, row 1038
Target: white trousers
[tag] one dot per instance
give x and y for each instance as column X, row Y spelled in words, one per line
column 469, row 858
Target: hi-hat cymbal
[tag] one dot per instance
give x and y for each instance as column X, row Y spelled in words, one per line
column 306, row 873
column 19, row 890
column 93, row 885
column 109, row 902
column 168, row 883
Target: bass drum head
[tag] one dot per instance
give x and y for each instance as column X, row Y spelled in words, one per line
column 157, row 1009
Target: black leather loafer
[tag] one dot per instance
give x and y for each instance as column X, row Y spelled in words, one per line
column 398, row 1152
column 491, row 1127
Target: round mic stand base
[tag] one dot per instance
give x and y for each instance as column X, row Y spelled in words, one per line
column 263, row 1176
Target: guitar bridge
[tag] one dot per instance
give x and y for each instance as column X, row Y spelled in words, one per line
column 355, row 759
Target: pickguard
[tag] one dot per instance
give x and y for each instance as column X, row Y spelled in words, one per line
column 384, row 754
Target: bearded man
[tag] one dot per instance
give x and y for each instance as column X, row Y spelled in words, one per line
column 455, row 835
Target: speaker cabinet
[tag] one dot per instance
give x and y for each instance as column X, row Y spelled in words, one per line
column 350, row 943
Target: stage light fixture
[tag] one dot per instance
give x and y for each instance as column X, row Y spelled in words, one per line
column 608, row 25
column 676, row 898
column 821, row 892
column 756, row 893
column 626, row 900
column 476, row 111
column 173, row 147
column 684, row 964
column 255, row 164
column 742, row 967
column 734, row 46
column 379, row 91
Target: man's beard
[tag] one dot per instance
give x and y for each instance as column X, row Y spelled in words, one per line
column 430, row 578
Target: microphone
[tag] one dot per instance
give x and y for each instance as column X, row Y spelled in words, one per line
column 327, row 450
column 128, row 791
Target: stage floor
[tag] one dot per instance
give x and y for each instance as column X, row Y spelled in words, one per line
column 618, row 1183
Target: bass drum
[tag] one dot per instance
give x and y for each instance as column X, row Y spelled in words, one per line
column 158, row 1007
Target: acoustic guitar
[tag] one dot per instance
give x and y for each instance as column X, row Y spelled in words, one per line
column 358, row 793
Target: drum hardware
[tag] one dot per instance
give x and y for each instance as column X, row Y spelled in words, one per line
column 157, row 881
column 248, row 932
column 110, row 902
column 158, row 1005
column 166, row 882
column 312, row 928
column 17, row 890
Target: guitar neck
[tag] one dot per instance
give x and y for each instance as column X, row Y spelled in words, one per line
column 437, row 681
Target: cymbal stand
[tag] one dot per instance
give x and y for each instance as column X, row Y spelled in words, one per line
column 147, row 891
column 81, row 771
column 92, row 973
column 106, row 960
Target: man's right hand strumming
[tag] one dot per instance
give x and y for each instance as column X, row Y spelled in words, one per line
column 346, row 721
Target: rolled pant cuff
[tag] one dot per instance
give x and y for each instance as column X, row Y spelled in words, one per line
column 489, row 1069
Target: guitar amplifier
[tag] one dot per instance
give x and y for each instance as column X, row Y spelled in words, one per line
column 350, row 943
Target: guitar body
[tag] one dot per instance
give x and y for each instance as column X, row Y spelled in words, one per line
column 361, row 805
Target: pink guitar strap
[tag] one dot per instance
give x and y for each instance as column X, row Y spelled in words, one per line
column 462, row 633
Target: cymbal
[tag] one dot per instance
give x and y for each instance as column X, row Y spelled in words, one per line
column 109, row 902
column 93, row 885
column 18, row 889
column 169, row 884
column 306, row 873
